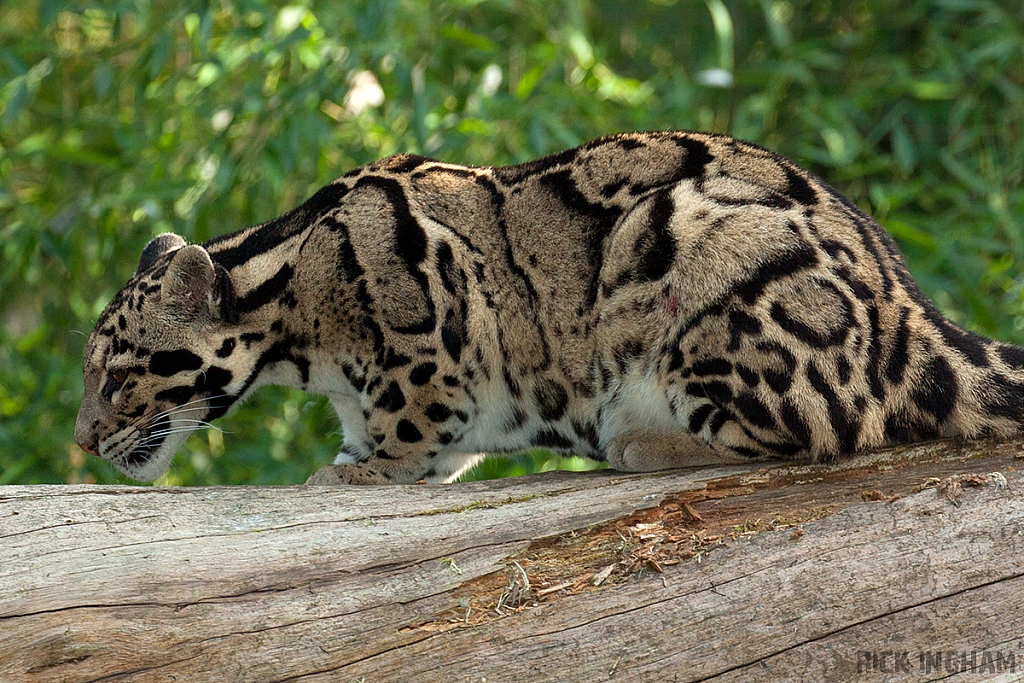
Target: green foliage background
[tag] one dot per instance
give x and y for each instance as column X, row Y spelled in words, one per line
column 126, row 118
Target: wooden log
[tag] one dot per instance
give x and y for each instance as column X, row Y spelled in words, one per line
column 905, row 565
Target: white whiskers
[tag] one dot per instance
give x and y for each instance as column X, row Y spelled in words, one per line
column 164, row 423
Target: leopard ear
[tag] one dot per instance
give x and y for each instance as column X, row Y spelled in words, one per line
column 157, row 247
column 195, row 288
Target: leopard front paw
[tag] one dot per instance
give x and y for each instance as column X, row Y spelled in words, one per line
column 336, row 475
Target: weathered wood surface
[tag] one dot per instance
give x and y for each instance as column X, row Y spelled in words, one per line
column 405, row 583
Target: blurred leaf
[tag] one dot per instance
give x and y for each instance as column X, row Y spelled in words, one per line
column 467, row 38
column 103, row 78
column 933, row 90
column 908, row 234
column 529, row 81
column 15, row 101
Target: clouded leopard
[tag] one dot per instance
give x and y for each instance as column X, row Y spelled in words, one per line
column 653, row 300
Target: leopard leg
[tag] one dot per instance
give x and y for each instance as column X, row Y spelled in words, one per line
column 401, row 434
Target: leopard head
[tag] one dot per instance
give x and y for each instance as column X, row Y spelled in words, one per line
column 161, row 361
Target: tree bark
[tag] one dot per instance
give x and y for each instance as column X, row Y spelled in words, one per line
column 903, row 565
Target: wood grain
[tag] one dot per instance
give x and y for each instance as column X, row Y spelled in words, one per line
column 767, row 574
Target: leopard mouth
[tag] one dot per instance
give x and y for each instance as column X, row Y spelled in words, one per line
column 142, row 459
column 138, row 457
column 145, row 450
column 149, row 443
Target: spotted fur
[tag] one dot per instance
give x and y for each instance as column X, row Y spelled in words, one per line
column 653, row 300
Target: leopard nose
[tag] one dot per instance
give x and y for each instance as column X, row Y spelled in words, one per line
column 86, row 432
column 89, row 446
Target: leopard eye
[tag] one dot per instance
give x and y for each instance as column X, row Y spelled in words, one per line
column 116, row 378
